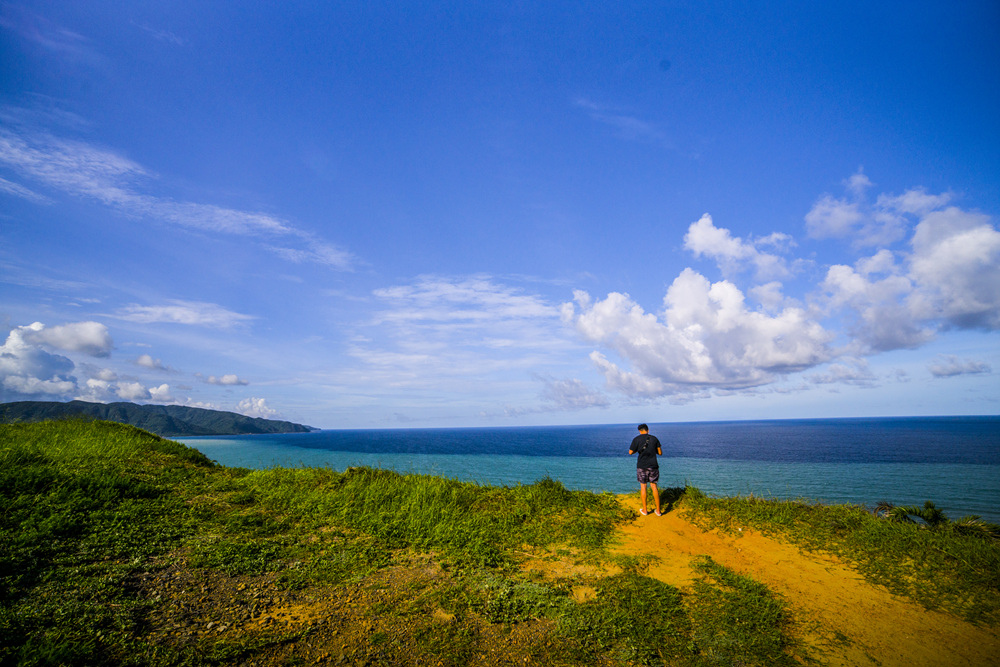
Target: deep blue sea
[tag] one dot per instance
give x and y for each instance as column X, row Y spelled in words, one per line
column 953, row 461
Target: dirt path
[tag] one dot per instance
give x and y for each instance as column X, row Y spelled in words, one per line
column 842, row 619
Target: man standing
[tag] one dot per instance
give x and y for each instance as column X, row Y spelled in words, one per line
column 647, row 469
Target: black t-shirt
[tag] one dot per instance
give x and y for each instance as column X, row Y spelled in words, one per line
column 647, row 456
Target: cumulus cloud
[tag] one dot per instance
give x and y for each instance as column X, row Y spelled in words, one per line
column 32, row 386
column 956, row 267
column 91, row 338
column 161, row 394
column 950, row 366
column 867, row 224
column 132, row 391
column 256, row 407
column 185, row 312
column 950, row 279
column 707, row 339
column 146, row 361
column 704, row 337
column 732, row 254
column 30, row 367
column 876, row 303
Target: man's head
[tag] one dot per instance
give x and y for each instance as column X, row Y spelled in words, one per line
column 643, row 428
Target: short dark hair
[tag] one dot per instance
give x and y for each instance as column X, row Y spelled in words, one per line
column 643, row 427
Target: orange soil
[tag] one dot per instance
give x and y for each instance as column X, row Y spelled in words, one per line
column 841, row 618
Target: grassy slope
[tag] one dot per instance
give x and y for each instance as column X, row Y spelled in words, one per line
column 95, row 509
column 954, row 566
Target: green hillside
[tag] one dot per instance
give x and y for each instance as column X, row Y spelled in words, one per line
column 165, row 420
column 118, row 547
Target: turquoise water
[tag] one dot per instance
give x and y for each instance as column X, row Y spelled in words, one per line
column 869, row 473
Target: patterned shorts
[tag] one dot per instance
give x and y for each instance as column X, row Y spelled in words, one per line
column 647, row 475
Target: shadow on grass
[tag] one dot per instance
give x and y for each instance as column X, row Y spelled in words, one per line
column 669, row 497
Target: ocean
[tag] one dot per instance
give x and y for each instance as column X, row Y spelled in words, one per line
column 952, row 461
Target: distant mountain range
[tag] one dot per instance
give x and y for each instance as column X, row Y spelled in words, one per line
column 164, row 420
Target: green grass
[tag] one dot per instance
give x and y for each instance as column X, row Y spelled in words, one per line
column 92, row 507
column 737, row 620
column 943, row 566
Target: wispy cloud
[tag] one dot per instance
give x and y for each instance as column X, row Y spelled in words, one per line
column 571, row 394
column 184, row 312
column 162, row 35
column 83, row 170
column 50, row 36
column 22, row 192
column 229, row 380
column 950, row 366
column 626, row 126
column 443, row 334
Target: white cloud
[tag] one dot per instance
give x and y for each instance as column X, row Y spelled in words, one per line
column 731, row 253
column 104, row 374
column 914, row 202
column 256, row 407
column 96, row 391
column 627, row 126
column 572, row 394
column 882, row 320
column 950, row 279
column 27, row 369
column 833, row 218
column 475, row 299
column 20, row 384
column 851, row 371
column 80, row 169
column 185, row 312
column 90, row 338
column 956, row 265
column 163, row 35
column 53, row 38
column 853, row 217
column 226, row 380
column 950, row 366
column 161, row 394
column 24, row 193
column 707, row 338
column 132, row 391
column 147, row 361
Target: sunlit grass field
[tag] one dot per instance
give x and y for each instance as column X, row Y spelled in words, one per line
column 94, row 509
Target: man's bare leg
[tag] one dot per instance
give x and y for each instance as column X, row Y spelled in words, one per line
column 643, row 494
column 656, row 494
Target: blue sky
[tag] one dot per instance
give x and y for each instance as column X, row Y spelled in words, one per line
column 452, row 214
